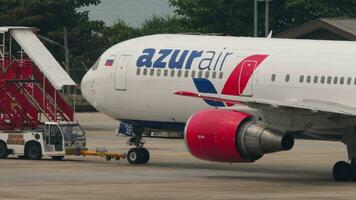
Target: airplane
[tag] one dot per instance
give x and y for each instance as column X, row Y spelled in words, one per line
column 235, row 98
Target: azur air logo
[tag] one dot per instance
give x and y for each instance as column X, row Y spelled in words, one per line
column 183, row 59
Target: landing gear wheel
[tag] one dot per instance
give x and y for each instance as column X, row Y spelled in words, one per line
column 57, row 157
column 3, row 150
column 353, row 170
column 133, row 156
column 33, row 151
column 342, row 171
column 146, row 155
column 138, row 156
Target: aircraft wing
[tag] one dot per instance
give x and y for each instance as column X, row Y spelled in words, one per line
column 303, row 104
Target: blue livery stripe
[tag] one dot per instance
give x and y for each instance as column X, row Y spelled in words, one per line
column 205, row 86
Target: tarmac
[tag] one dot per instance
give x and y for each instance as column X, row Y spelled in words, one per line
column 302, row 173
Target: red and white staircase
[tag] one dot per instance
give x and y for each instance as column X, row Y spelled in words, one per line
column 27, row 96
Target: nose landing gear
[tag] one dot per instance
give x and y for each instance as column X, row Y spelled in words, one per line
column 138, row 154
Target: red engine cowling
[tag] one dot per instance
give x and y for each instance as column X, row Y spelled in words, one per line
column 231, row 136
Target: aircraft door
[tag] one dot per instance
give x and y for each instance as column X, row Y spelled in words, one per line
column 46, row 137
column 121, row 72
column 56, row 138
column 246, row 79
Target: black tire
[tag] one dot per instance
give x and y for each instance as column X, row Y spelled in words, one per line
column 57, row 157
column 134, row 156
column 3, row 150
column 146, row 156
column 342, row 171
column 138, row 156
column 353, row 171
column 33, row 151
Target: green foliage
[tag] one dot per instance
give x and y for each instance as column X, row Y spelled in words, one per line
column 168, row 24
column 290, row 13
column 235, row 17
column 51, row 16
column 47, row 15
column 120, row 31
column 231, row 17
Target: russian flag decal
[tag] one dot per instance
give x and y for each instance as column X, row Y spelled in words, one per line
column 109, row 62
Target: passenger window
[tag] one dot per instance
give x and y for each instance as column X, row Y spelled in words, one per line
column 172, row 73
column 322, row 80
column 214, row 75
column 145, row 71
column 349, row 80
column 138, row 71
column 342, row 80
column 316, row 79
column 273, row 77
column 186, row 74
column 329, row 79
column 166, row 72
column 200, row 74
column 308, row 79
column 152, row 72
column 221, row 75
column 207, row 73
column 336, row 79
column 179, row 73
column 193, row 74
column 159, row 72
column 287, row 78
column 301, row 78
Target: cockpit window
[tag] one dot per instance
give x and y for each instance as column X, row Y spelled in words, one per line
column 96, row 65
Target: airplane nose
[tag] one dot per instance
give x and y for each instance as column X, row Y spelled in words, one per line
column 86, row 86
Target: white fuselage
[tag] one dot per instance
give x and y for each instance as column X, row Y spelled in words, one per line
column 136, row 80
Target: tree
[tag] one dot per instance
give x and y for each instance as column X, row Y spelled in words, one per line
column 235, row 17
column 165, row 24
column 51, row 16
column 290, row 13
column 120, row 31
column 231, row 17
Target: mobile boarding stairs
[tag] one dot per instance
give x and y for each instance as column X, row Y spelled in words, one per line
column 30, row 80
column 30, row 84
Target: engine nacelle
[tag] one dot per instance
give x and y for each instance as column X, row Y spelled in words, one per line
column 231, row 136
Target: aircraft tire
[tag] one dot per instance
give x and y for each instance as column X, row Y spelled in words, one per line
column 3, row 150
column 353, row 171
column 146, row 155
column 133, row 156
column 342, row 171
column 138, row 156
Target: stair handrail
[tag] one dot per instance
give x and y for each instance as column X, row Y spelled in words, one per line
column 28, row 95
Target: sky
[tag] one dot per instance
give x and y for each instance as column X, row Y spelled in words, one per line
column 134, row 12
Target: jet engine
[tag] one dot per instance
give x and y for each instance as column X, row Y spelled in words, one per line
column 231, row 136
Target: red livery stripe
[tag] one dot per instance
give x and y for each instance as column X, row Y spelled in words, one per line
column 238, row 79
